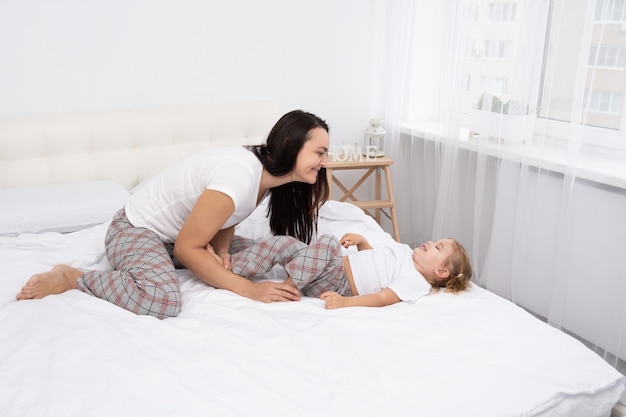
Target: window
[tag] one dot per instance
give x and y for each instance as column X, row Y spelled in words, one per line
column 494, row 85
column 566, row 63
column 497, row 49
column 502, row 12
column 604, row 102
column 608, row 56
column 560, row 62
column 594, row 75
column 610, row 11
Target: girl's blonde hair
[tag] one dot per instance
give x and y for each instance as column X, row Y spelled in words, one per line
column 460, row 269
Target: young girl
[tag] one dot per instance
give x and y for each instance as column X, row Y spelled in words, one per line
column 370, row 277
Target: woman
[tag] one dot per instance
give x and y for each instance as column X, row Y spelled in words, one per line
column 195, row 203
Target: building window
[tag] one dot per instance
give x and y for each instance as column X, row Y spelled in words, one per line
column 610, row 11
column 604, row 101
column 502, row 12
column 494, row 85
column 497, row 49
column 608, row 56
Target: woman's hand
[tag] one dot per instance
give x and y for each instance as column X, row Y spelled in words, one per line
column 221, row 244
column 223, row 257
column 333, row 300
column 268, row 292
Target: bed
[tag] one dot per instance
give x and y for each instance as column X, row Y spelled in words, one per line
column 63, row 176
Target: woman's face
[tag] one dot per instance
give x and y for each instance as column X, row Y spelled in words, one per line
column 312, row 157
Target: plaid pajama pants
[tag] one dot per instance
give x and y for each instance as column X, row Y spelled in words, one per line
column 143, row 279
column 314, row 268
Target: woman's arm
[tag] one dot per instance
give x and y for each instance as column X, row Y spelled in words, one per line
column 202, row 226
column 382, row 298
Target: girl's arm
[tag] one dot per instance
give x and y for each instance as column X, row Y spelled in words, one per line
column 382, row 298
column 202, row 226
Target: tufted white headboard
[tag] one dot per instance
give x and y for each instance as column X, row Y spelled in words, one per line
column 123, row 146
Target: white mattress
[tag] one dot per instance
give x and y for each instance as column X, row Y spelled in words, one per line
column 474, row 354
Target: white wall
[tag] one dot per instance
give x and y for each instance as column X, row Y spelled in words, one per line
column 83, row 55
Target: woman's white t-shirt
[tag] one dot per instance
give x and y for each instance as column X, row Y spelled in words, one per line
column 163, row 202
column 388, row 267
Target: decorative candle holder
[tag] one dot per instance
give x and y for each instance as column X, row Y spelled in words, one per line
column 374, row 139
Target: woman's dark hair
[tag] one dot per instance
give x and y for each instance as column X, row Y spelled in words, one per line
column 293, row 207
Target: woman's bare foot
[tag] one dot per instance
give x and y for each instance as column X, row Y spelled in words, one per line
column 59, row 279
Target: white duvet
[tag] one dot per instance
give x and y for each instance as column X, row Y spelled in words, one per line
column 474, row 354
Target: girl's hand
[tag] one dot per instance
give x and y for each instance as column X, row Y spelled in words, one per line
column 333, row 300
column 350, row 239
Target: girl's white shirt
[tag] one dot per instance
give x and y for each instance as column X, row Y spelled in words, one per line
column 388, row 267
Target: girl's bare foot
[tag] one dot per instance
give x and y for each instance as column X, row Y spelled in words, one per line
column 59, row 279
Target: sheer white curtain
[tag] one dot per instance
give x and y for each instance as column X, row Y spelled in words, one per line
column 502, row 119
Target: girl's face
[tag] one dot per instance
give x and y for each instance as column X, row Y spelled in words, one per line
column 430, row 258
column 312, row 157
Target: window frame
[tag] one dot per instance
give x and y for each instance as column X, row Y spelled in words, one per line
column 593, row 137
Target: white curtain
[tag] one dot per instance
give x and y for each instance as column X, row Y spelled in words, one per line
column 495, row 112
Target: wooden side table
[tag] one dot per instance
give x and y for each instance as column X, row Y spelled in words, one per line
column 373, row 165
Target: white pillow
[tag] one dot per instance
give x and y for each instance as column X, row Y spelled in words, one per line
column 59, row 207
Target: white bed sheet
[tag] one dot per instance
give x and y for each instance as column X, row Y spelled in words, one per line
column 474, row 354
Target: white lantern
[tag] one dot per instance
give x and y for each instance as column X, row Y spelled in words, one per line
column 374, row 139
